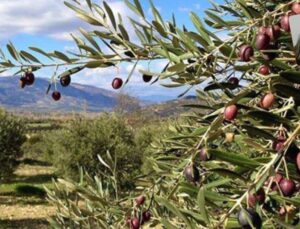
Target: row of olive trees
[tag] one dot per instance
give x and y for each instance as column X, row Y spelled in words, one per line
column 79, row 141
column 12, row 136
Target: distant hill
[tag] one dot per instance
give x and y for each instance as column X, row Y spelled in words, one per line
column 171, row 108
column 76, row 97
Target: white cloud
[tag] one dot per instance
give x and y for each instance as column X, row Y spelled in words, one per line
column 189, row 9
column 53, row 19
column 197, row 6
column 102, row 77
column 184, row 9
column 46, row 17
column 42, row 17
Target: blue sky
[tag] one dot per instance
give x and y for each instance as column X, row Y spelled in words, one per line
column 47, row 24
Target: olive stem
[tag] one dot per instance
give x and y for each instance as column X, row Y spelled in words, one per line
column 81, row 63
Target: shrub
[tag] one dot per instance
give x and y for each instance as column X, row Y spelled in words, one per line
column 83, row 139
column 39, row 145
column 11, row 139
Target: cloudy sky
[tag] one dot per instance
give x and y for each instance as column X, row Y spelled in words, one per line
column 48, row 23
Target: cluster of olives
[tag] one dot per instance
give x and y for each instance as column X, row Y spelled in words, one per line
column 64, row 82
column 135, row 221
column 266, row 102
column 292, row 152
column 117, row 82
column 231, row 112
column 266, row 39
column 28, row 78
column 285, row 186
column 246, row 217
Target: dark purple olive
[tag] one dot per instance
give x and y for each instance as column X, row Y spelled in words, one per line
column 298, row 161
column 285, row 22
column 268, row 56
column 292, row 152
column 262, row 41
column 146, row 216
column 65, row 80
column 56, row 95
column 191, row 173
column 29, row 78
column 278, row 144
column 273, row 32
column 191, row 61
column 234, row 81
column 22, row 82
column 147, row 78
column 245, row 53
column 129, row 54
column 256, row 197
column 203, row 155
column 117, row 83
column 248, row 218
column 287, row 187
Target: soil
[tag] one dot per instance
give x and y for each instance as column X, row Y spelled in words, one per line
column 26, row 210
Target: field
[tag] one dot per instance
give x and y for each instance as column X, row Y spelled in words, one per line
column 22, row 198
column 23, row 201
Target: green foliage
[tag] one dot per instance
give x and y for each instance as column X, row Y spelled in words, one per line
column 266, row 136
column 235, row 168
column 35, row 146
column 90, row 198
column 80, row 143
column 11, row 139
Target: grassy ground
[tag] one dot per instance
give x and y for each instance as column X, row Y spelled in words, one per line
column 22, row 199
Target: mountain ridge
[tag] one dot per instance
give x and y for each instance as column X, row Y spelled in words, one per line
column 76, row 97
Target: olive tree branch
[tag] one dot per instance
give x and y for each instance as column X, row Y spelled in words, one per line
column 267, row 168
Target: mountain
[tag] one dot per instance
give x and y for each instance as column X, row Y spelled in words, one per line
column 76, row 97
column 171, row 108
column 154, row 99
